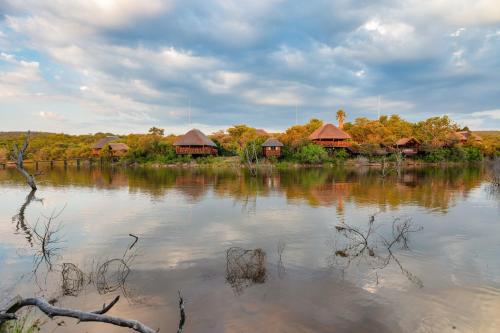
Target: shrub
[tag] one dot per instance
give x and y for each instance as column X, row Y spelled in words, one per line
column 311, row 154
column 341, row 154
column 473, row 154
column 455, row 154
column 437, row 155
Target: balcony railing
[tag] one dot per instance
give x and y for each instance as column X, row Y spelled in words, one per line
column 333, row 144
column 195, row 150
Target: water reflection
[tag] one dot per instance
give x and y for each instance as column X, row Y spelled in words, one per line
column 433, row 188
column 19, row 218
column 275, row 269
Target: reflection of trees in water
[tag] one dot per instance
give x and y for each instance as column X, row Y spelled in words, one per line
column 362, row 245
column 20, row 219
column 428, row 187
column 494, row 178
column 48, row 241
column 245, row 267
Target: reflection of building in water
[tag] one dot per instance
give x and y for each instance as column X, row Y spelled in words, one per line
column 192, row 186
column 272, row 181
column 329, row 194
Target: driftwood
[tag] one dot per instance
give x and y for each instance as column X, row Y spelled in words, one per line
column 19, row 157
column 84, row 316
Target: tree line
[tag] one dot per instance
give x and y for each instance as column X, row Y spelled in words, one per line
column 370, row 137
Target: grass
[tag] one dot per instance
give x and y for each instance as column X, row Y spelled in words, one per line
column 22, row 325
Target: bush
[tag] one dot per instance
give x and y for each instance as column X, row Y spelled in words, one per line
column 455, row 154
column 340, row 154
column 437, row 155
column 311, row 154
column 473, row 154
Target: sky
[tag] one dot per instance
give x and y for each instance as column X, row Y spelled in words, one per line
column 86, row 66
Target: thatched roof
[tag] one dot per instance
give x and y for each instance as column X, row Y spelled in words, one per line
column 405, row 141
column 194, row 138
column 101, row 142
column 260, row 131
column 464, row 136
column 118, row 146
column 329, row 132
column 272, row 142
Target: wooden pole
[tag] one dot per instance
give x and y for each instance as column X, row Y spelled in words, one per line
column 78, row 163
column 51, row 164
column 36, row 165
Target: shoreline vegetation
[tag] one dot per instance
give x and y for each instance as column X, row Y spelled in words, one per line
column 374, row 143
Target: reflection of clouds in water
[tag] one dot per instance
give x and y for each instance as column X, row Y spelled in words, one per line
column 184, row 238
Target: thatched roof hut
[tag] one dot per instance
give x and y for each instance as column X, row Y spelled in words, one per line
column 99, row 144
column 272, row 142
column 272, row 147
column 406, row 142
column 330, row 136
column 195, row 142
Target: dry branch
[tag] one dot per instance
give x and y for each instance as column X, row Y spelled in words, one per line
column 82, row 316
column 19, row 158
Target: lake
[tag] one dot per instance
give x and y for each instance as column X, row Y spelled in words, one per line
column 308, row 250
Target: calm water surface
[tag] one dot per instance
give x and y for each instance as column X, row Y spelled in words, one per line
column 306, row 275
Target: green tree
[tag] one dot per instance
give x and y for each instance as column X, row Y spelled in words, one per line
column 156, row 131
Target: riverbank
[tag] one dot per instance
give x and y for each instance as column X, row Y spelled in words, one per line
column 234, row 162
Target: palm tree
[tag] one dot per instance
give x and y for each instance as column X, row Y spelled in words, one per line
column 341, row 117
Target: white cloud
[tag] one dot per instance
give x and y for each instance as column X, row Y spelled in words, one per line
column 50, row 116
column 97, row 13
column 224, row 81
column 290, row 57
column 18, row 76
column 395, row 31
column 493, row 114
column 458, row 32
column 458, row 58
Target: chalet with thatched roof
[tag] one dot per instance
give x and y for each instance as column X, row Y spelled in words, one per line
column 272, row 148
column 407, row 146
column 330, row 136
column 195, row 142
column 464, row 136
column 118, row 149
column 99, row 144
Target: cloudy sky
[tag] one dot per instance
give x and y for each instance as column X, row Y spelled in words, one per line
column 83, row 66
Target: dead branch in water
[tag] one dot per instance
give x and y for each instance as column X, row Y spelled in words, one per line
column 245, row 267
column 83, row 316
column 100, row 316
column 182, row 319
column 19, row 158
column 361, row 245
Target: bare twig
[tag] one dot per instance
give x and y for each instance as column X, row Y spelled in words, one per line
column 360, row 243
column 135, row 241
